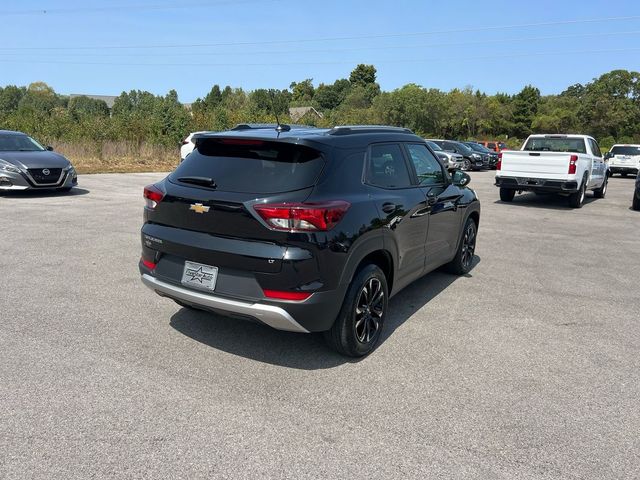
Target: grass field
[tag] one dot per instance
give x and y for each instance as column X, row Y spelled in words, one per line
column 118, row 157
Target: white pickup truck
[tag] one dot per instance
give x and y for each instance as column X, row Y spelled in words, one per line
column 624, row 159
column 565, row 164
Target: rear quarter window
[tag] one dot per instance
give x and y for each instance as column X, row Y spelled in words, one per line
column 252, row 166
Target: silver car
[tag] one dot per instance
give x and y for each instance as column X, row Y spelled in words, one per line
column 454, row 160
column 27, row 165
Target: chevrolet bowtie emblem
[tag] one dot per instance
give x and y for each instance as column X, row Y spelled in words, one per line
column 199, row 208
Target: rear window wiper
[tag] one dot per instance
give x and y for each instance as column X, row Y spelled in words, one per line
column 204, row 181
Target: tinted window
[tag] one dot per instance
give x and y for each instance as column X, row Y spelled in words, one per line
column 252, row 166
column 556, row 144
column 428, row 168
column 435, row 147
column 625, row 150
column 594, row 148
column 387, row 167
column 19, row 143
column 462, row 148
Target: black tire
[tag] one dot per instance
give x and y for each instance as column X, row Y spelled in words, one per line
column 357, row 328
column 507, row 194
column 576, row 200
column 602, row 191
column 636, row 202
column 463, row 261
column 623, row 174
column 65, row 189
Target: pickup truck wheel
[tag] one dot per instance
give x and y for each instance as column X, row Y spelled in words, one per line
column 507, row 194
column 356, row 331
column 463, row 261
column 602, row 191
column 577, row 199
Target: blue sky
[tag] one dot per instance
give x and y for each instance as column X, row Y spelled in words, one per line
column 189, row 45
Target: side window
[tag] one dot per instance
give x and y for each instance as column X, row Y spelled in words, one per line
column 595, row 148
column 387, row 167
column 428, row 168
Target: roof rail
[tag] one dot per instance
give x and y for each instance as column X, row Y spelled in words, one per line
column 267, row 126
column 354, row 129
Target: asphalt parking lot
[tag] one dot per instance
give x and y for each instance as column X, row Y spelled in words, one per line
column 529, row 367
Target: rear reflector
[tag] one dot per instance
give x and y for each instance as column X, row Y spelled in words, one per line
column 278, row 295
column 573, row 161
column 303, row 217
column 153, row 196
column 150, row 265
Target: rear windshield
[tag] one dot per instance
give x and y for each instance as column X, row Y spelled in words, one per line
column 252, row 166
column 625, row 150
column 556, row 144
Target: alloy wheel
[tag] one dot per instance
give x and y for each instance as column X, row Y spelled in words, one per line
column 369, row 310
column 468, row 245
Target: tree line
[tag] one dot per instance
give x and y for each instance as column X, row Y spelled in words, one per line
column 607, row 108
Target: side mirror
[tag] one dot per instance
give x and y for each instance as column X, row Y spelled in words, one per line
column 49, row 148
column 460, row 178
column 607, row 155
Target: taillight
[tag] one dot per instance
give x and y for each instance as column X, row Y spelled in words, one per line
column 281, row 295
column 149, row 264
column 573, row 161
column 153, row 196
column 303, row 217
column 499, row 162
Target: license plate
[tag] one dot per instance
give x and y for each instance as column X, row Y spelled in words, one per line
column 199, row 275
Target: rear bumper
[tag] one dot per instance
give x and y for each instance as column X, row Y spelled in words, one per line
column 630, row 170
column 537, row 184
column 273, row 316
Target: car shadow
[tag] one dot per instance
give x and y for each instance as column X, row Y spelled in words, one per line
column 294, row 350
column 549, row 201
column 45, row 193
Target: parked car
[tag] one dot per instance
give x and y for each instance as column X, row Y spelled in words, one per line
column 187, row 145
column 306, row 229
column 472, row 160
column 489, row 156
column 27, row 165
column 493, row 145
column 624, row 159
column 565, row 164
column 450, row 160
column 635, row 204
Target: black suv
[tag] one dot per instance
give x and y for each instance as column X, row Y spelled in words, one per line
column 306, row 229
column 472, row 159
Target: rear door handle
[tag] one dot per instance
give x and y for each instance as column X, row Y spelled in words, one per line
column 388, row 207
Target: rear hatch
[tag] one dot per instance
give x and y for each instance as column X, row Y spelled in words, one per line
column 206, row 214
column 625, row 156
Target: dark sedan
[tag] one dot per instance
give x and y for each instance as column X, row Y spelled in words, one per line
column 27, row 165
